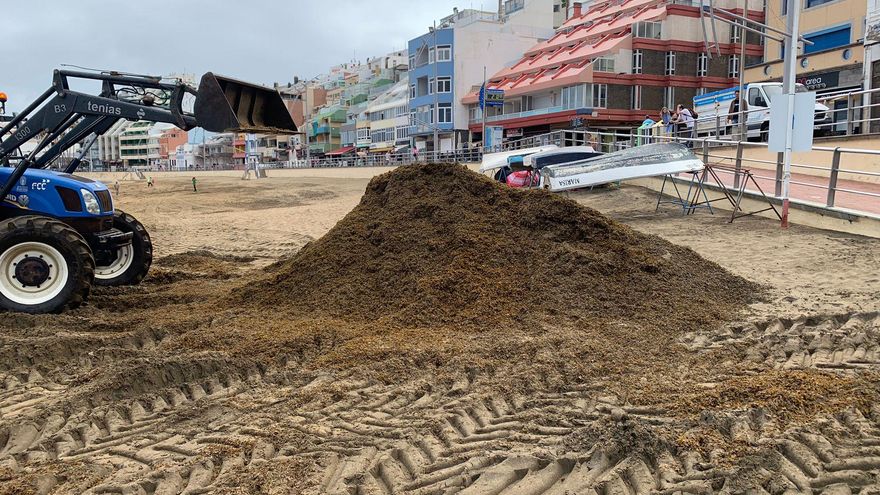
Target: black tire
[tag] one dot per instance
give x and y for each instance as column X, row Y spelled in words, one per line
column 16, row 234
column 141, row 254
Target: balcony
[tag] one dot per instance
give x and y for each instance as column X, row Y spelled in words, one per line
column 322, row 147
column 520, row 115
column 322, row 129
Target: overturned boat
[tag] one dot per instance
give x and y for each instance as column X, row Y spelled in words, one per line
column 651, row 160
column 559, row 156
column 494, row 161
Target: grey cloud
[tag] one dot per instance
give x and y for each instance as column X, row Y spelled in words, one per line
column 257, row 40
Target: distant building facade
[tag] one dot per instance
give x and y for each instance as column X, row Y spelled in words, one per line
column 612, row 63
column 448, row 61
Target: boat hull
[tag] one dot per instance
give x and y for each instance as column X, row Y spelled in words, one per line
column 651, row 160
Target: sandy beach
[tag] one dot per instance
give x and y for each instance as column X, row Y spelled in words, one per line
column 174, row 386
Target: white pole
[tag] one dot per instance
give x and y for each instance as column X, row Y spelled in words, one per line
column 742, row 63
column 788, row 89
column 483, row 108
column 436, row 111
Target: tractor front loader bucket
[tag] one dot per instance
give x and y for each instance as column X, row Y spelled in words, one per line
column 227, row 105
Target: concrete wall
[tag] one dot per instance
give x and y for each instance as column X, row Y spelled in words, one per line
column 813, row 19
column 537, row 13
column 491, row 45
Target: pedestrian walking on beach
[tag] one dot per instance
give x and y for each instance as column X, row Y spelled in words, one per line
column 150, row 181
column 116, row 188
column 194, row 185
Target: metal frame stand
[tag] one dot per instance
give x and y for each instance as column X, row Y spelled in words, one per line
column 735, row 200
column 687, row 206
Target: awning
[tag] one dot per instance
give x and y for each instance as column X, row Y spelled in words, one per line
column 398, row 149
column 341, row 151
column 380, row 150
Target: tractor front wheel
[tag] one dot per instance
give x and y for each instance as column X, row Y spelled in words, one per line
column 45, row 265
column 131, row 262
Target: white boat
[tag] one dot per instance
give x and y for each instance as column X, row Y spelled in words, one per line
column 494, row 161
column 650, row 160
column 559, row 156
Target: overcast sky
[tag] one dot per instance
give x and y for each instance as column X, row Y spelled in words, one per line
column 255, row 40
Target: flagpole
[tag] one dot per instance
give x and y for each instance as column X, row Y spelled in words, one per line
column 483, row 107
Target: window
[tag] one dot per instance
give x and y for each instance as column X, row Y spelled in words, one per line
column 412, row 61
column 670, row 64
column 702, row 64
column 511, row 6
column 637, row 61
column 636, row 99
column 702, row 91
column 647, row 30
column 444, row 113
column 430, row 85
column 735, row 33
column 401, row 133
column 444, row 85
column 603, row 64
column 828, row 39
column 474, row 113
column 574, row 96
column 733, row 66
column 431, row 55
column 513, row 105
column 600, row 95
column 412, row 91
column 444, row 53
column 755, row 98
column 816, row 3
column 669, row 98
column 784, row 8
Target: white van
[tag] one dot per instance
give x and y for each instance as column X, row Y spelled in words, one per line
column 712, row 110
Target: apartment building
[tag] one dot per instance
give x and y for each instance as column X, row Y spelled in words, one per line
column 108, row 144
column 834, row 61
column 134, row 141
column 168, row 140
column 324, row 130
column 611, row 64
column 388, row 117
column 447, row 61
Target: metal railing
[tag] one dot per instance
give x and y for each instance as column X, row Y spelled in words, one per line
column 823, row 173
column 849, row 113
column 825, row 169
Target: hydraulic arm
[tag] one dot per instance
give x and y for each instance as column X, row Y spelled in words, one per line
column 62, row 117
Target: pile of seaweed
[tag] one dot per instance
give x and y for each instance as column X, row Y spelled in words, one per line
column 436, row 245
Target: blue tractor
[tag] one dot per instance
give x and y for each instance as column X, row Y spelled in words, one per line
column 60, row 233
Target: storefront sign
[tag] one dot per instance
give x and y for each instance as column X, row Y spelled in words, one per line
column 577, row 123
column 494, row 136
column 515, row 132
column 826, row 80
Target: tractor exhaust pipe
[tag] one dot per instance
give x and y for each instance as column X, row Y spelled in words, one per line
column 229, row 105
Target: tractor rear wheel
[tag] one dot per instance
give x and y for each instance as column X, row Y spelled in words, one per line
column 45, row 265
column 133, row 261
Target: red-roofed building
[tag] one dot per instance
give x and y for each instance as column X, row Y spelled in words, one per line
column 611, row 64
